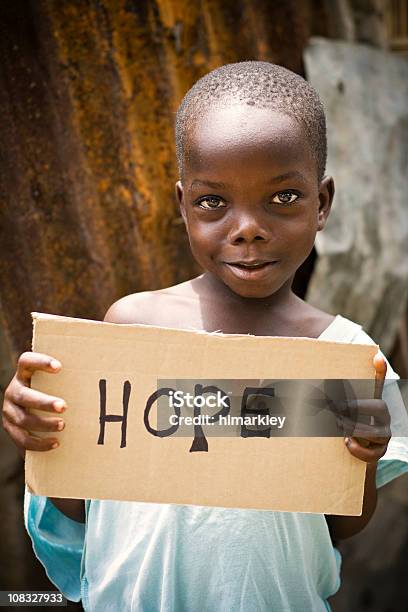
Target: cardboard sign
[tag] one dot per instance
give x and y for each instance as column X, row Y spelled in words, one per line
column 108, row 449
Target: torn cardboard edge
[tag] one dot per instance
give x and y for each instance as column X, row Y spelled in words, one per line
column 41, row 316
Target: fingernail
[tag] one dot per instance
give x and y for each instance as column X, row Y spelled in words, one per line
column 55, row 445
column 59, row 406
column 54, row 364
column 60, row 425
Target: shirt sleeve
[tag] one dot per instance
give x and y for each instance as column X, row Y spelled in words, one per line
column 395, row 461
column 58, row 543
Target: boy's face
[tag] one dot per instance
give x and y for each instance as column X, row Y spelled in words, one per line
column 250, row 198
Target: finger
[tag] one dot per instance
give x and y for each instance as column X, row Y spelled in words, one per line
column 371, row 411
column 351, row 428
column 25, row 440
column 373, row 407
column 367, row 439
column 29, row 362
column 29, row 421
column 380, row 371
column 368, row 454
column 29, row 398
column 372, row 440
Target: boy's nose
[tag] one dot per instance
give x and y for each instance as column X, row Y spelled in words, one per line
column 247, row 229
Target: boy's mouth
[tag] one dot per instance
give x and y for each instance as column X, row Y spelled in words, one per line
column 250, row 263
column 253, row 269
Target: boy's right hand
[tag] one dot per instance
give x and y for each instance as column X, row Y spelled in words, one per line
column 18, row 422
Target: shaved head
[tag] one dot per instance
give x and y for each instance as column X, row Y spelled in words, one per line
column 259, row 84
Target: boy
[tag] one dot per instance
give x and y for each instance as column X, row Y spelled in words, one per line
column 251, row 148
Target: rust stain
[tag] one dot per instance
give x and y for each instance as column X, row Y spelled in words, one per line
column 92, row 90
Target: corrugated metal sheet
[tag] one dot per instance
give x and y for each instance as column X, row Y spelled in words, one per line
column 88, row 92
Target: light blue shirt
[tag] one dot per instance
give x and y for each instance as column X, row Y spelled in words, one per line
column 142, row 557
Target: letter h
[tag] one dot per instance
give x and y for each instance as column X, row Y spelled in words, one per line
column 112, row 418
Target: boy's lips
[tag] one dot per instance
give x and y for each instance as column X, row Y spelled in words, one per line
column 250, row 262
column 254, row 269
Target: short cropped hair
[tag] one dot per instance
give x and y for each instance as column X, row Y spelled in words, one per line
column 259, row 84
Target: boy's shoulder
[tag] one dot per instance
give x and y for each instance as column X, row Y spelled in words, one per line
column 181, row 306
column 159, row 307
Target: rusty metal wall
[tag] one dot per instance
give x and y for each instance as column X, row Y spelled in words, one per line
column 88, row 92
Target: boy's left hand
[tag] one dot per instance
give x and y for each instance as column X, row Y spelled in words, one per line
column 370, row 440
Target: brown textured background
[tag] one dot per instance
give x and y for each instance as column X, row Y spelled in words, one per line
column 88, row 92
column 88, row 97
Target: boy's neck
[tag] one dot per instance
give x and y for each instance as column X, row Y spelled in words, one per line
column 284, row 298
column 280, row 314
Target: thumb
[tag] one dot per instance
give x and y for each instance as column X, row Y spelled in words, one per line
column 380, row 371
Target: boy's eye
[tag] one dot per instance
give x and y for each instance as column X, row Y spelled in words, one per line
column 285, row 197
column 210, row 202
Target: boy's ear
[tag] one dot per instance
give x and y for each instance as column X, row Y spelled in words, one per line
column 180, row 199
column 326, row 195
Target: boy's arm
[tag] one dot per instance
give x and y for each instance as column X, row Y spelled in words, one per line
column 72, row 508
column 370, row 445
column 342, row 527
